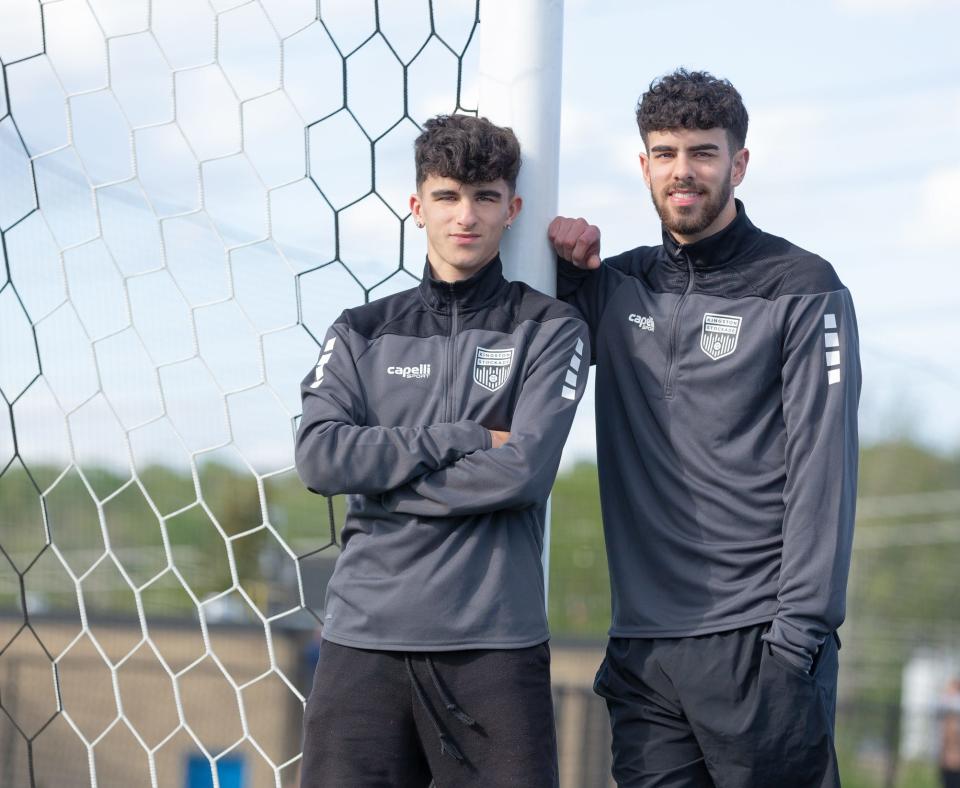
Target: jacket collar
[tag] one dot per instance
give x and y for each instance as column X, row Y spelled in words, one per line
column 467, row 293
column 716, row 250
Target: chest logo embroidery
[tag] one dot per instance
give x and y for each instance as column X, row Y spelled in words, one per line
column 645, row 323
column 491, row 368
column 718, row 338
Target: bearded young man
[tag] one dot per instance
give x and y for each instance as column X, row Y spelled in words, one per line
column 728, row 380
column 442, row 412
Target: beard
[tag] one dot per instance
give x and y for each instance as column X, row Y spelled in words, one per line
column 691, row 219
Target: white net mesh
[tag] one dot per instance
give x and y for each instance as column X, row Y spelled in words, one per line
column 190, row 192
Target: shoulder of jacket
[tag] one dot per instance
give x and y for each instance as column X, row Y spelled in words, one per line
column 539, row 307
column 776, row 267
column 373, row 319
column 634, row 261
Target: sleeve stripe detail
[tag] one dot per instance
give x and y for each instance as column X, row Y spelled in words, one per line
column 570, row 381
column 831, row 339
column 321, row 363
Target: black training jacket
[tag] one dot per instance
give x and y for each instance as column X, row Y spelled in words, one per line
column 443, row 535
column 728, row 378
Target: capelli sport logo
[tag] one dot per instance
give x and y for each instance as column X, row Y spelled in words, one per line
column 419, row 372
column 645, row 323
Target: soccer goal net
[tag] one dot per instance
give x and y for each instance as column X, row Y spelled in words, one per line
column 190, row 192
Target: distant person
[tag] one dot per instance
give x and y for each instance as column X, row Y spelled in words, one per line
column 950, row 735
column 728, row 378
column 442, row 412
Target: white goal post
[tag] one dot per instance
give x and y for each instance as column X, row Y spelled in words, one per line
column 521, row 60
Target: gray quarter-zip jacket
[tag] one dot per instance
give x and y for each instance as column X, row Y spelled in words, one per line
column 728, row 378
column 443, row 535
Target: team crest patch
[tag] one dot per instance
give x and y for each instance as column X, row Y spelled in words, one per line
column 719, row 335
column 491, row 368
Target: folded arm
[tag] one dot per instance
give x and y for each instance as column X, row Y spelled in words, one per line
column 520, row 473
column 336, row 453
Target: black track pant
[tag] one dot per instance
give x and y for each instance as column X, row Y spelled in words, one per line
column 719, row 710
column 461, row 718
column 950, row 778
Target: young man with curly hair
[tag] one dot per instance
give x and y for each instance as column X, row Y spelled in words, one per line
column 728, row 379
column 441, row 411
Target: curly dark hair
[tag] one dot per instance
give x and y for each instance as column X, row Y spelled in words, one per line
column 467, row 149
column 693, row 100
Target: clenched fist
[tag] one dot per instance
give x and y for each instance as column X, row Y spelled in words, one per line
column 576, row 240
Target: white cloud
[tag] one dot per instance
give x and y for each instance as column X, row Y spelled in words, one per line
column 579, row 127
column 871, row 6
column 624, row 152
column 939, row 207
column 780, row 138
